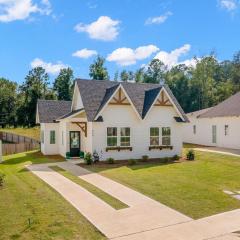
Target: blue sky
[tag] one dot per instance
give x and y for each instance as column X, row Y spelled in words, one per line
column 128, row 33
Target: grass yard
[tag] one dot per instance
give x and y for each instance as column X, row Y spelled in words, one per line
column 193, row 188
column 27, row 132
column 24, row 196
column 115, row 203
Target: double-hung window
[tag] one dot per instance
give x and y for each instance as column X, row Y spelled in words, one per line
column 154, row 136
column 166, row 136
column 111, row 136
column 52, row 137
column 125, row 137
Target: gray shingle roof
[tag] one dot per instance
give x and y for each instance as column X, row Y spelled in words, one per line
column 228, row 108
column 50, row 110
column 198, row 112
column 96, row 93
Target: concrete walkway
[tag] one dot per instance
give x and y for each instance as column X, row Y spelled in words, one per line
column 142, row 214
column 143, row 219
column 226, row 151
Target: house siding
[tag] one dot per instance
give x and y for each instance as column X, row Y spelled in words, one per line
column 125, row 116
column 46, row 147
column 203, row 134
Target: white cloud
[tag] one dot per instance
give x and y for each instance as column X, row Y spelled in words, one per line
column 172, row 58
column 84, row 53
column 229, row 5
column 129, row 56
column 12, row 10
column 159, row 19
column 49, row 67
column 104, row 28
column 190, row 62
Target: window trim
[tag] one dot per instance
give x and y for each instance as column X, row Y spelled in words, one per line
column 52, row 137
column 42, row 136
column 125, row 136
column 226, row 130
column 112, row 137
column 194, row 129
column 167, row 136
column 150, row 136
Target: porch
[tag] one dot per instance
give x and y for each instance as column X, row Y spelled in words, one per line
column 76, row 135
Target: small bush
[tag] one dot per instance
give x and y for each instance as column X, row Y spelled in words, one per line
column 132, row 162
column 190, row 155
column 110, row 161
column 165, row 160
column 2, row 176
column 176, row 157
column 145, row 158
column 88, row 158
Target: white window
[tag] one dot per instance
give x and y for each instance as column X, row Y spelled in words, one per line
column 166, row 136
column 52, row 137
column 42, row 137
column 125, row 137
column 154, row 136
column 111, row 136
column 194, row 129
column 226, row 130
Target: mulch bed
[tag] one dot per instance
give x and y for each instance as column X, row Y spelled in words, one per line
column 121, row 163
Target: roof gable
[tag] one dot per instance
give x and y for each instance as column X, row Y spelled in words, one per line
column 96, row 94
column 50, row 110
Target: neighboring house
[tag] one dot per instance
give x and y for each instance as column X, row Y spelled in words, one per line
column 115, row 119
column 217, row 126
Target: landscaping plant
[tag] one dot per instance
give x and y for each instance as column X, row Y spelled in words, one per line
column 145, row 158
column 132, row 162
column 176, row 157
column 110, row 161
column 2, row 176
column 88, row 158
column 190, row 155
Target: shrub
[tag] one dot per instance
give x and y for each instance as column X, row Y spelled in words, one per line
column 190, row 155
column 110, row 161
column 145, row 158
column 176, row 157
column 164, row 160
column 132, row 162
column 88, row 158
column 2, row 176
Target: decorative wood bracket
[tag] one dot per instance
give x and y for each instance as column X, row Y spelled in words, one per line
column 119, row 100
column 162, row 101
column 83, row 127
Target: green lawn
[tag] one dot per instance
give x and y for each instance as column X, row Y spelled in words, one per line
column 193, row 188
column 24, row 196
column 115, row 203
column 27, row 132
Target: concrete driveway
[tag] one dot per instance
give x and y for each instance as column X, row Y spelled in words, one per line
column 143, row 219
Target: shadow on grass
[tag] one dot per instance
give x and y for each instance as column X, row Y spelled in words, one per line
column 99, row 167
column 33, row 157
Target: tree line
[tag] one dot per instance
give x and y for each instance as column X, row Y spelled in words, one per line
column 195, row 87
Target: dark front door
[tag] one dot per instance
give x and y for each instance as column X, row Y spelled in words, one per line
column 74, row 143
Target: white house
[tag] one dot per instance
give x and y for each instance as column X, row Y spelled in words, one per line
column 217, row 126
column 115, row 119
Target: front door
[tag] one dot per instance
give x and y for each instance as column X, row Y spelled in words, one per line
column 214, row 134
column 74, row 143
